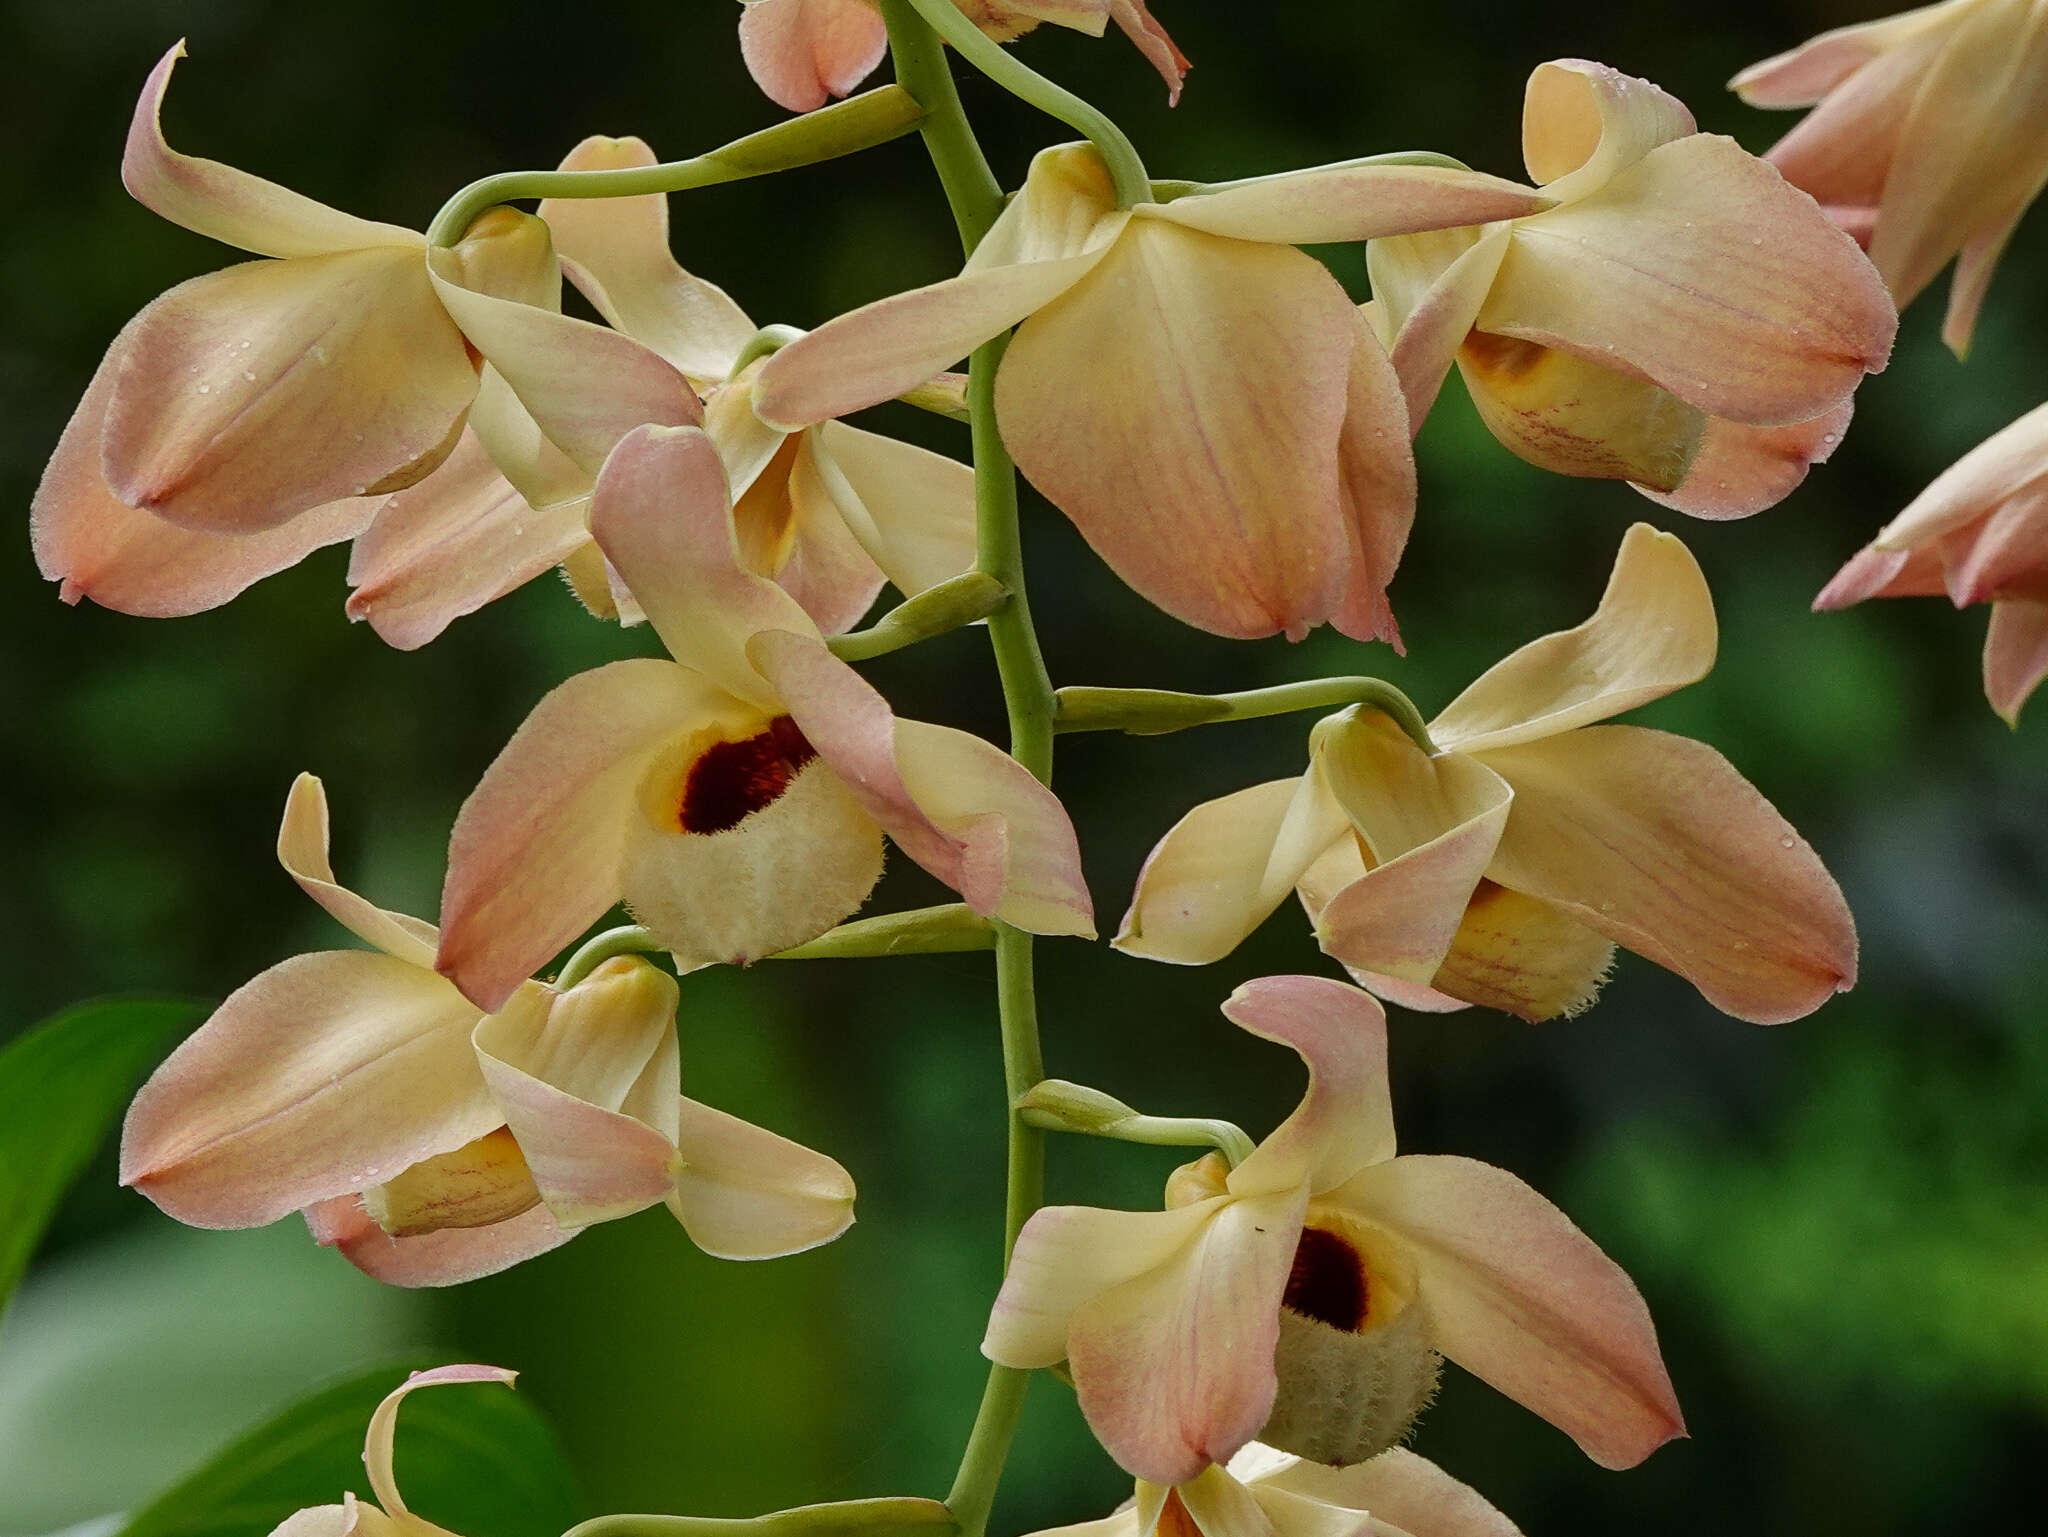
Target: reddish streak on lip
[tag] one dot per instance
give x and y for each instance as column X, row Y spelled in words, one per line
column 1327, row 1282
column 733, row 780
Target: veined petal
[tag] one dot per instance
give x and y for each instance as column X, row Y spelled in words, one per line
column 912, row 510
column 1429, row 289
column 1657, row 842
column 2015, row 655
column 1345, row 1120
column 302, row 843
column 1653, row 632
column 133, row 562
column 1522, row 1299
column 2011, row 461
column 1738, row 469
column 1334, row 203
column 249, row 395
column 1582, row 123
column 460, row 539
column 1221, row 870
column 377, row 1443
column 745, row 1193
column 446, row 1258
column 232, row 206
column 1174, row 1368
column 1842, row 151
column 1195, row 447
column 1408, row 1493
column 1375, row 490
column 1700, row 268
column 537, row 849
column 616, row 250
column 1801, row 76
column 328, row 1073
column 803, row 52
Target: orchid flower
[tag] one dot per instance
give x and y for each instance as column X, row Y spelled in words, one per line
column 1268, row 1493
column 1928, row 139
column 1503, row 868
column 389, row 1517
column 736, row 797
column 803, row 52
column 1683, row 318
column 433, row 1143
column 1979, row 534
column 1198, row 396
column 1302, row 1297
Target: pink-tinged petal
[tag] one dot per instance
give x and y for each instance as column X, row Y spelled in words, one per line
column 1174, row 1369
column 1053, row 234
column 1375, row 490
column 2015, row 655
column 383, row 1431
column 302, row 843
column 232, row 206
column 1803, row 75
column 1345, row 1120
column 328, row 1073
column 1842, row 151
column 1739, row 470
column 2011, row 461
column 662, row 517
column 585, row 385
column 100, row 548
column 1522, row 1299
column 1653, row 632
column 1582, row 123
column 1700, row 268
column 1658, row 843
column 249, row 395
column 2007, row 555
column 1195, row 447
column 590, row 1164
column 460, row 539
column 447, row 1258
column 1875, row 573
column 1151, row 40
column 537, row 849
column 1975, row 264
column 615, row 249
column 818, row 560
column 1221, row 870
column 1427, row 292
column 745, row 1193
column 802, row 53
column 1408, row 1493
column 912, row 510
column 1350, row 202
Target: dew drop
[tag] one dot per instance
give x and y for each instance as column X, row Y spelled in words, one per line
column 248, row 376
column 1829, row 437
column 206, row 389
column 1786, row 843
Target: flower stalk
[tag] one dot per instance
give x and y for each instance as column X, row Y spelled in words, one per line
column 1157, row 711
column 971, row 596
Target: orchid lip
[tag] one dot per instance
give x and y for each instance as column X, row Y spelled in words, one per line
column 731, row 780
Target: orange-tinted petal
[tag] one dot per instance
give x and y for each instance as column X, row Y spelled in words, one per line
column 804, row 52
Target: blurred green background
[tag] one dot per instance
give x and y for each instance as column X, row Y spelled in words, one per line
column 1841, row 1225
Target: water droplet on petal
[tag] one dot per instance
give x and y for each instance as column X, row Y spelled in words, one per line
column 206, row 389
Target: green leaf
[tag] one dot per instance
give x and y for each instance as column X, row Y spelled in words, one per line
column 475, row 1458
column 61, row 1086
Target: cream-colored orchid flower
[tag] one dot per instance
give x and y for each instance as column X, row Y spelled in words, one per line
column 431, row 1142
column 1928, row 139
column 389, row 1517
column 1683, row 318
column 1503, row 868
column 735, row 798
column 1269, row 1493
column 804, row 52
column 1198, row 396
column 1978, row 534
column 1303, row 1297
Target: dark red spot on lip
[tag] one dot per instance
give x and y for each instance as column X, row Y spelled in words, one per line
column 1327, row 1282
column 733, row 780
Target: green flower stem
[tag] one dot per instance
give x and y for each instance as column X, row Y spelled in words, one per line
column 936, row 611
column 858, row 123
column 924, row 931
column 976, row 198
column 1027, row 84
column 1056, row 1105
column 1156, row 711
column 628, row 940
column 896, row 1517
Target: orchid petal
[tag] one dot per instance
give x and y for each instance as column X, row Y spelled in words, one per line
column 1875, row 573
column 1221, row 870
column 745, row 1193
column 232, row 206
column 1653, row 632
column 590, row 1164
column 1197, row 449
column 325, row 1521
column 1739, row 469
column 1345, row 1119
column 328, row 1073
column 1430, row 289
column 2007, row 555
column 377, row 1444
column 1583, row 123
column 1349, row 202
column 302, row 844
column 2015, row 655
column 616, row 250
column 803, row 52
column 1375, row 490
column 1842, row 151
column 252, row 394
column 2011, row 461
column 1976, row 263
column 447, row 1258
column 1803, row 75
column 1701, row 269
column 821, row 562
column 1657, row 842
column 912, row 510
column 1151, row 40
column 1215, row 1504
column 1522, row 1299
column 1410, row 1494
column 747, row 445
column 537, row 849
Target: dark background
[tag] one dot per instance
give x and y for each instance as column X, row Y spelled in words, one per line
column 1841, row 1225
